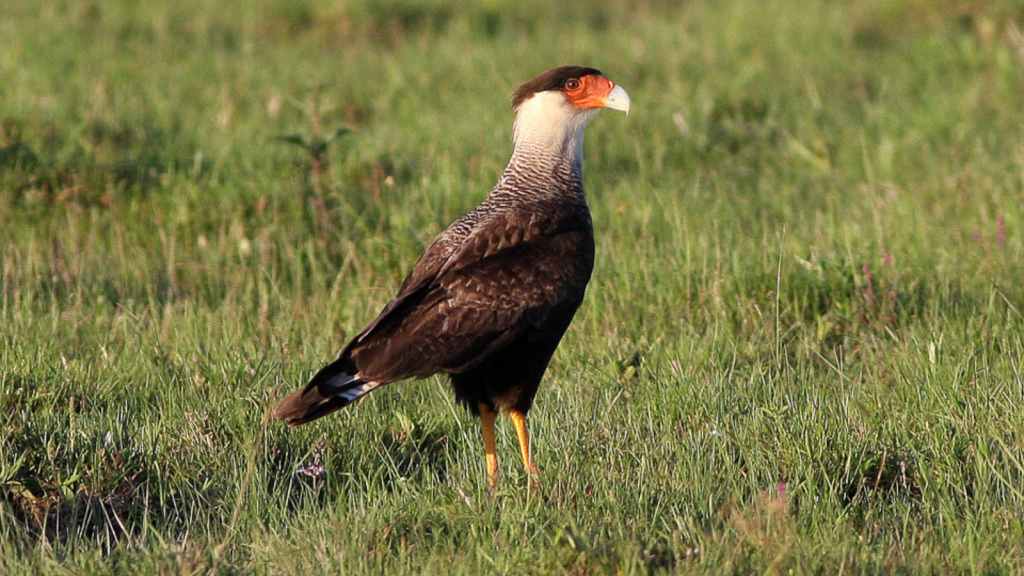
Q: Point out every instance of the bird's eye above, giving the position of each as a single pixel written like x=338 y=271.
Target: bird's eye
x=572 y=84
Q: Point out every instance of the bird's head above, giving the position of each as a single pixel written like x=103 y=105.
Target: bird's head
x=553 y=108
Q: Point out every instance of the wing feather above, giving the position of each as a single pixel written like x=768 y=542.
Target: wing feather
x=464 y=300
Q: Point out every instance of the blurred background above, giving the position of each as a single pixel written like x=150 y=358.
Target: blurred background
x=809 y=263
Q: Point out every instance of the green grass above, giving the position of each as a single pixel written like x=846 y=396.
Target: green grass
x=809 y=276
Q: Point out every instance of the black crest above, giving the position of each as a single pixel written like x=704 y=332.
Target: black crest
x=551 y=80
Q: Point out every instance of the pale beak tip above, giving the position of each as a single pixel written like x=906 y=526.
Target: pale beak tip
x=618 y=99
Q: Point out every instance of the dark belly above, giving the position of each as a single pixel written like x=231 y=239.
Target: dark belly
x=509 y=377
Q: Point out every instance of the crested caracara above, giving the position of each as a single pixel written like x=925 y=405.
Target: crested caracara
x=491 y=297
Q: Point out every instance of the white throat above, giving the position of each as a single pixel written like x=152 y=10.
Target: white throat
x=548 y=125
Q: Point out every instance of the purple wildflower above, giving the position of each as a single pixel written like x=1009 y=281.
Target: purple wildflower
x=781 y=488
x=313 y=470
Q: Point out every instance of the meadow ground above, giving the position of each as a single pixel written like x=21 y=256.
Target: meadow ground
x=801 y=351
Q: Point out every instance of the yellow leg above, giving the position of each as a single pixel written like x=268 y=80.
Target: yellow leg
x=487 y=416
x=519 y=421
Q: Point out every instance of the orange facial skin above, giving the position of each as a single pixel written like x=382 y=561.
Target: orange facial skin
x=590 y=91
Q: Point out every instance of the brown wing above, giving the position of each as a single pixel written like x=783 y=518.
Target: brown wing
x=504 y=280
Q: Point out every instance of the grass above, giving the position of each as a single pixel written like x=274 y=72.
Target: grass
x=801 y=351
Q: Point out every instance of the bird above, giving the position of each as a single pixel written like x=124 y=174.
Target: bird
x=490 y=298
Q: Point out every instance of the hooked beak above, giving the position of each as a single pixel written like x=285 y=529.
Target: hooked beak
x=600 y=92
x=617 y=99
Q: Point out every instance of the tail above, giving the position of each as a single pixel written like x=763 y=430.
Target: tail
x=334 y=387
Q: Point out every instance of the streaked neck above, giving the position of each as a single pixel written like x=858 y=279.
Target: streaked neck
x=548 y=135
